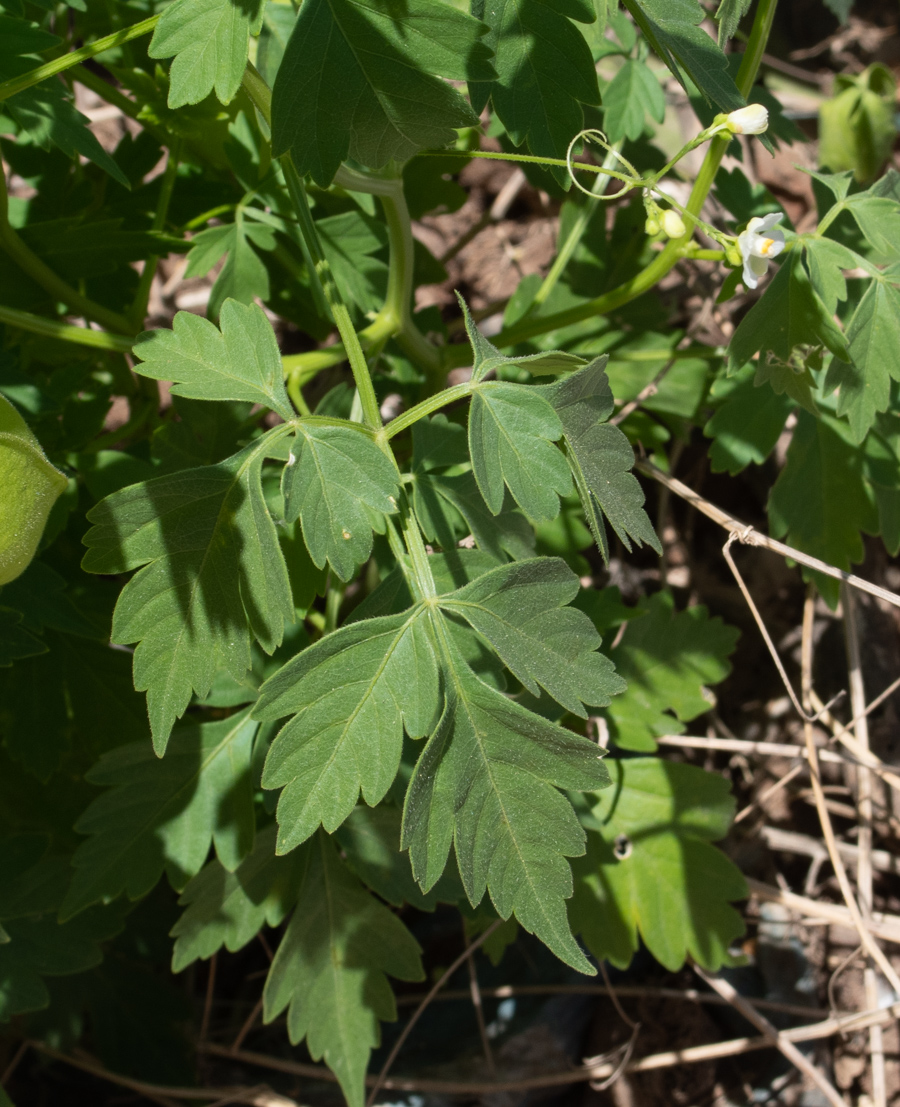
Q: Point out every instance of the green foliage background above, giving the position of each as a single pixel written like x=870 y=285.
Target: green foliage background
x=258 y=690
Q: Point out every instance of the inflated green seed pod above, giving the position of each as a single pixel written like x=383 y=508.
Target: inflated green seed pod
x=29 y=487
x=856 y=126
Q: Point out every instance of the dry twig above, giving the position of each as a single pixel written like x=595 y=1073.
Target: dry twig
x=692 y=1055
x=784 y=1044
x=864 y=930
x=864 y=838
x=398 y=1045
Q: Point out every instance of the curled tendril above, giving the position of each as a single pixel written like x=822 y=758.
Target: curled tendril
x=599 y=138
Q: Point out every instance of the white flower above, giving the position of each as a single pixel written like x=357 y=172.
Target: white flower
x=752 y=120
x=761 y=241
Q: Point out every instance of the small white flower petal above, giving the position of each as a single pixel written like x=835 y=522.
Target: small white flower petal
x=751 y=120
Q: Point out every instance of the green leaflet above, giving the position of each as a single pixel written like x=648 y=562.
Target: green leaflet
x=40 y=946
x=46 y=115
x=874 y=337
x=487 y=358
x=29 y=487
x=163 y=814
x=728 y=15
x=240 y=362
x=650 y=870
x=671 y=28
x=213 y=575
x=339 y=484
x=230 y=908
x=545 y=71
x=600 y=457
x=348 y=241
x=370 y=844
x=357 y=80
x=15 y=641
x=826 y=259
x=243 y=277
x=667 y=658
x=450 y=506
x=789 y=315
x=512 y=429
x=632 y=95
x=748 y=423
x=351 y=695
x=821 y=501
x=209 y=40
x=487 y=782
x=520 y=609
x=21 y=36
x=77 y=697
x=330 y=968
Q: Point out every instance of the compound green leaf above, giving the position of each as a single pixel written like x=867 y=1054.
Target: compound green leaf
x=632 y=95
x=163 y=814
x=545 y=71
x=29 y=487
x=330 y=968
x=487 y=782
x=789 y=318
x=672 y=29
x=874 y=337
x=209 y=40
x=521 y=610
x=747 y=425
x=356 y=79
x=229 y=909
x=239 y=362
x=243 y=277
x=351 y=694
x=512 y=431
x=650 y=872
x=339 y=484
x=601 y=458
x=821 y=501
x=213 y=575
x=667 y=659
x=46 y=115
x=40 y=946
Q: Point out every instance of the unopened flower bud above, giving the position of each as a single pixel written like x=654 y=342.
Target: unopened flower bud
x=673 y=224
x=652 y=227
x=752 y=120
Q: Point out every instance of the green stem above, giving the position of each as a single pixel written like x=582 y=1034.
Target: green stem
x=59 y=65
x=339 y=312
x=67 y=332
x=398 y=302
x=31 y=264
x=645 y=280
x=142 y=297
x=576 y=234
x=532 y=159
x=418 y=555
x=426 y=407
